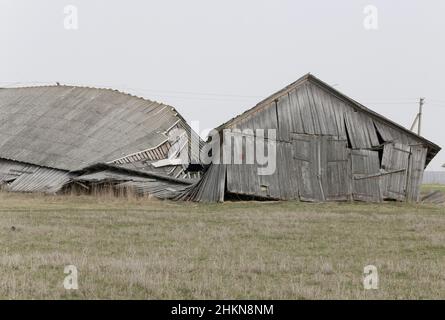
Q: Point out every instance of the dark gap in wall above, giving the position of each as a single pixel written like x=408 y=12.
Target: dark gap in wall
x=379 y=136
x=194 y=167
x=243 y=197
x=226 y=190
x=381 y=142
x=276 y=113
x=380 y=150
x=347 y=135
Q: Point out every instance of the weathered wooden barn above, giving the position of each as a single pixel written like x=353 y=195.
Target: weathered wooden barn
x=328 y=148
x=52 y=137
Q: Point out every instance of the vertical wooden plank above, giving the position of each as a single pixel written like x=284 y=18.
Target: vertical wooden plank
x=415 y=172
x=339 y=109
x=318 y=112
x=314 y=112
x=295 y=109
x=325 y=115
x=366 y=175
x=360 y=129
x=337 y=176
x=306 y=157
x=285 y=123
x=395 y=158
x=306 y=112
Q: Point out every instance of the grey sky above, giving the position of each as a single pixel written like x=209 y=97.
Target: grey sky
x=214 y=59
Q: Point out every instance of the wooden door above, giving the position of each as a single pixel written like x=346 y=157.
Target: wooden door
x=336 y=169
x=306 y=154
x=366 y=176
x=395 y=165
x=416 y=168
x=323 y=169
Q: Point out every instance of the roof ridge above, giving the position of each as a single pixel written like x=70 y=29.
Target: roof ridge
x=268 y=99
x=89 y=87
x=316 y=81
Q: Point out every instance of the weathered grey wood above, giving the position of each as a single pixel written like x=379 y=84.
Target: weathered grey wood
x=306 y=157
x=70 y=128
x=415 y=172
x=395 y=158
x=304 y=106
x=336 y=176
x=324 y=111
x=287 y=172
x=285 y=118
x=365 y=163
x=361 y=130
x=296 y=116
x=210 y=188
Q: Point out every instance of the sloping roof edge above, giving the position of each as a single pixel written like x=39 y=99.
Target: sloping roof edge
x=100 y=88
x=434 y=148
x=72 y=96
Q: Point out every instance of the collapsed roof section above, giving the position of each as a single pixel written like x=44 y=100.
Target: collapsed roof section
x=54 y=135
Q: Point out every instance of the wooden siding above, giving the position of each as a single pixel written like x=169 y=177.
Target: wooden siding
x=337 y=176
x=366 y=176
x=210 y=188
x=395 y=165
x=415 y=172
x=307 y=162
x=329 y=148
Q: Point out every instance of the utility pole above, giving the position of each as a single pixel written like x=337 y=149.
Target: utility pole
x=419 y=127
x=418 y=119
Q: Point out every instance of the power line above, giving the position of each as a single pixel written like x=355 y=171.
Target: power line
x=145 y=90
x=389 y=103
x=218 y=97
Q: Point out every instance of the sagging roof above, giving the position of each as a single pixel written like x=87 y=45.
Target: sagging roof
x=433 y=148
x=69 y=128
x=23 y=177
x=143 y=183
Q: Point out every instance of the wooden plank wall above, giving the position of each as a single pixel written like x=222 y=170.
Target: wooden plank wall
x=337 y=177
x=210 y=188
x=395 y=164
x=415 y=172
x=328 y=150
x=366 y=175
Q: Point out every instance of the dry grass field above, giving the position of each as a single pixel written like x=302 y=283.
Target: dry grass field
x=149 y=249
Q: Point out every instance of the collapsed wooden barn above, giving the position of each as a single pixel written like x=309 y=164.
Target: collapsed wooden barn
x=52 y=137
x=328 y=148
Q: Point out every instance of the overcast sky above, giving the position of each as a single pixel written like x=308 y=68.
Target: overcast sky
x=215 y=59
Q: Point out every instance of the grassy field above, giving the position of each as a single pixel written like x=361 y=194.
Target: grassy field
x=148 y=249
x=433 y=187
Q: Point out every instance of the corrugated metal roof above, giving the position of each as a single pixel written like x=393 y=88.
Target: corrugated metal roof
x=164 y=188
x=108 y=175
x=22 y=177
x=158 y=189
x=70 y=128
